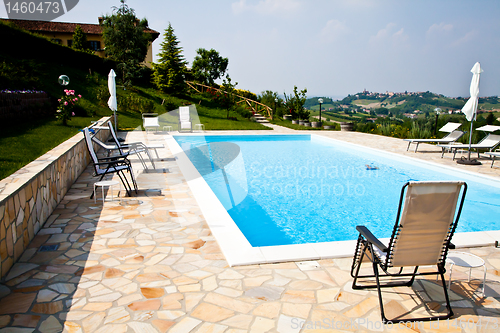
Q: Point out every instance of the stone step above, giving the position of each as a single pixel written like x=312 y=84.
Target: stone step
x=260 y=118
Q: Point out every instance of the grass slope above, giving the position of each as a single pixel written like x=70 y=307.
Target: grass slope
x=36 y=63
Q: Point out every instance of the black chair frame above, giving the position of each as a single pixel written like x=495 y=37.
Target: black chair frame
x=365 y=248
x=114 y=164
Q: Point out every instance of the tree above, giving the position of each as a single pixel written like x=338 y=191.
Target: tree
x=125 y=40
x=490 y=118
x=272 y=100
x=208 y=66
x=79 y=39
x=169 y=72
x=226 y=98
x=295 y=104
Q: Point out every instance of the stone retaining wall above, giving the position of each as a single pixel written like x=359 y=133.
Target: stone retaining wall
x=29 y=196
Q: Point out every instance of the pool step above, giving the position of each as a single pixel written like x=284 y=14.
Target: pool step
x=260 y=118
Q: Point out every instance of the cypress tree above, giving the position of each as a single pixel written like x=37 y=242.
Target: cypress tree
x=169 y=72
x=79 y=39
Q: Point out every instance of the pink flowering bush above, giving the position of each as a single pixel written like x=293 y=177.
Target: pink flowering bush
x=66 y=105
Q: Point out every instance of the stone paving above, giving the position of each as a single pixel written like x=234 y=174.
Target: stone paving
x=149 y=263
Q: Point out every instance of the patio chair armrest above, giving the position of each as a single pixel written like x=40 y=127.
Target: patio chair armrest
x=371 y=238
x=133 y=145
x=452 y=246
x=112 y=159
x=113 y=148
x=119 y=160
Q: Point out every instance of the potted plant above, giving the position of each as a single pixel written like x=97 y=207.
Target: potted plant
x=346 y=126
x=295 y=104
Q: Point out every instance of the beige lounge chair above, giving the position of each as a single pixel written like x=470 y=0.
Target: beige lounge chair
x=426 y=220
x=493 y=154
x=449 y=138
x=489 y=142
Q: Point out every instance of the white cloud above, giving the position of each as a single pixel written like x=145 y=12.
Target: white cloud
x=388 y=34
x=333 y=30
x=400 y=36
x=266 y=7
x=465 y=39
x=440 y=28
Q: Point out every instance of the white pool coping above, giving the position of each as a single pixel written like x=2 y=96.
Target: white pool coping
x=237 y=249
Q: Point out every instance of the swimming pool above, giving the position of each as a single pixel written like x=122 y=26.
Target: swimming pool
x=296 y=189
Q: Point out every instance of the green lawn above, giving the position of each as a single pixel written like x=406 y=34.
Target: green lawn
x=23 y=142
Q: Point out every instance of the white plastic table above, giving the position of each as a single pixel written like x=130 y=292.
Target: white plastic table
x=200 y=127
x=168 y=128
x=103 y=184
x=467 y=260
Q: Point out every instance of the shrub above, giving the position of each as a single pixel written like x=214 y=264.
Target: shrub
x=418 y=132
x=66 y=105
x=244 y=112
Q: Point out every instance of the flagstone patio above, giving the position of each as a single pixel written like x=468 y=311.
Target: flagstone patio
x=149 y=263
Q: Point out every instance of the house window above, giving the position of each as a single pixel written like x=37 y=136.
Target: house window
x=56 y=40
x=70 y=42
x=95 y=45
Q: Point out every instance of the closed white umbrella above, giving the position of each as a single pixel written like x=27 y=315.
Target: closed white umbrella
x=112 y=103
x=470 y=108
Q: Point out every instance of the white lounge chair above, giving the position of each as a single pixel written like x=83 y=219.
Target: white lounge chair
x=489 y=142
x=493 y=154
x=185 y=122
x=427 y=217
x=150 y=121
x=451 y=137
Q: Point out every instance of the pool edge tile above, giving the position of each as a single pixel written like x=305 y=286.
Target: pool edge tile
x=295 y=252
x=474 y=239
x=238 y=251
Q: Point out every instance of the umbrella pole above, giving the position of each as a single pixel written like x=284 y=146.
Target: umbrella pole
x=470 y=139
x=468 y=161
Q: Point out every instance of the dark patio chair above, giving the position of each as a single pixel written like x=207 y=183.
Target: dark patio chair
x=427 y=218
x=110 y=165
x=120 y=151
x=134 y=147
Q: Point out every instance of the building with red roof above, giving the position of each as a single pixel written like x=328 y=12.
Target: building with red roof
x=62 y=33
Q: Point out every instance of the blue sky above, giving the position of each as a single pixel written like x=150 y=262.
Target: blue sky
x=332 y=47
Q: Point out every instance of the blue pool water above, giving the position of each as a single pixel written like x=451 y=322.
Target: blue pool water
x=298 y=189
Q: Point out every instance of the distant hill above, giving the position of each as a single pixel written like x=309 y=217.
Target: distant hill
x=400 y=103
